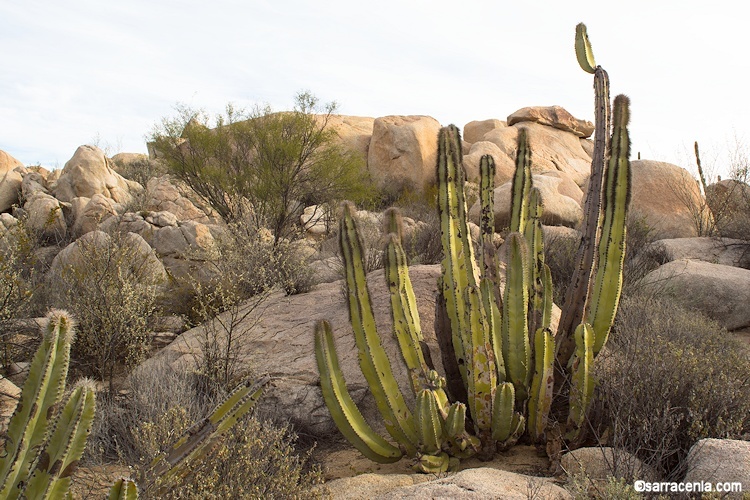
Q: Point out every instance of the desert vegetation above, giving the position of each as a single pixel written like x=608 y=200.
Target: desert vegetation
x=171 y=269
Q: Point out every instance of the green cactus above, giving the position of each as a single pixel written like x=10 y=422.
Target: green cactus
x=43 y=446
x=199 y=439
x=485 y=334
x=123 y=489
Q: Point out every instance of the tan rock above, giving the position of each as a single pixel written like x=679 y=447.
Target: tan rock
x=474 y=131
x=721 y=292
x=89 y=172
x=729 y=201
x=667 y=197
x=560 y=196
x=33 y=182
x=10 y=181
x=504 y=165
x=125 y=159
x=353 y=132
x=9 y=396
x=164 y=195
x=720 y=461
x=725 y=251
x=553 y=116
x=97 y=209
x=552 y=149
x=482 y=483
x=370 y=485
x=45 y=215
x=600 y=464
x=403 y=151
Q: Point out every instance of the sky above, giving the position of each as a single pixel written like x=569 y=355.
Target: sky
x=103 y=72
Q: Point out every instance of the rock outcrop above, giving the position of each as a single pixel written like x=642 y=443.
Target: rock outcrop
x=721 y=292
x=667 y=197
x=720 y=461
x=555 y=117
x=403 y=151
x=89 y=172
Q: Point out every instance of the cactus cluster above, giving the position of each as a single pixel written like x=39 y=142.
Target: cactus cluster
x=499 y=351
x=43 y=446
x=44 y=442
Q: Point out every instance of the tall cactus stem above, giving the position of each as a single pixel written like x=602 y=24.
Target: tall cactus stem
x=540 y=400
x=399 y=421
x=515 y=326
x=521 y=187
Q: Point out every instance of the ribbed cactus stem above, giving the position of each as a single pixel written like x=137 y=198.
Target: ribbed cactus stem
x=515 y=326
x=521 y=187
x=344 y=411
x=393 y=223
x=502 y=412
x=398 y=419
x=58 y=461
x=30 y=424
x=540 y=400
x=584 y=54
x=406 y=324
x=123 y=489
x=459 y=268
x=582 y=388
x=607 y=284
x=429 y=423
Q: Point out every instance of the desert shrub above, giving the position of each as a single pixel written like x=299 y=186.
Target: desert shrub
x=422 y=245
x=262 y=166
x=583 y=488
x=254 y=460
x=18 y=285
x=668 y=378
x=141 y=171
x=112 y=292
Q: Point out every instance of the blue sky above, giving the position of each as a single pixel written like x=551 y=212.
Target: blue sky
x=86 y=71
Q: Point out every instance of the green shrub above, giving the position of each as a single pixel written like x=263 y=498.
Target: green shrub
x=668 y=378
x=254 y=460
x=112 y=292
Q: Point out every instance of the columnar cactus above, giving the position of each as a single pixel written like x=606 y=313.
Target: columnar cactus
x=43 y=446
x=497 y=346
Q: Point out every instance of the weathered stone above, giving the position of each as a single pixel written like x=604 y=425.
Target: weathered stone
x=481 y=483
x=553 y=116
x=9 y=396
x=560 y=196
x=33 y=183
x=552 y=149
x=720 y=461
x=352 y=132
x=504 y=165
x=371 y=485
x=89 y=172
x=162 y=219
x=721 y=292
x=729 y=201
x=600 y=464
x=317 y=220
x=45 y=215
x=164 y=195
x=667 y=197
x=474 y=131
x=724 y=251
x=98 y=209
x=403 y=151
x=10 y=181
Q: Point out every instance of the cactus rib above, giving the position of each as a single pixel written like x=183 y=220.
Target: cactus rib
x=373 y=360
x=344 y=411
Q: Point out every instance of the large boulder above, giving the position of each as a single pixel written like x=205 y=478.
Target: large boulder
x=719 y=461
x=474 y=131
x=667 y=198
x=725 y=251
x=552 y=150
x=553 y=116
x=721 y=292
x=352 y=132
x=279 y=341
x=98 y=243
x=10 y=181
x=403 y=151
x=45 y=216
x=89 y=172
x=96 y=210
x=162 y=194
x=481 y=483
x=729 y=201
x=560 y=195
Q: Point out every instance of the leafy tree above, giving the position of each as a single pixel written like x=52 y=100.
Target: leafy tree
x=262 y=166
